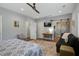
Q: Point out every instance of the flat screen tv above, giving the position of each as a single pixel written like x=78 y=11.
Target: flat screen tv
x=47 y=24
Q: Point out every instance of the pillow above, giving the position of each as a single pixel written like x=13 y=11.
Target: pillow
x=21 y=36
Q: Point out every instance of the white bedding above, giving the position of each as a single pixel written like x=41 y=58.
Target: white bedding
x=17 y=47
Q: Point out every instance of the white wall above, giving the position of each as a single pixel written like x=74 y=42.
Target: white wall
x=30 y=29
x=0 y=27
x=9 y=31
x=78 y=24
x=27 y=29
x=74 y=28
x=33 y=30
x=42 y=29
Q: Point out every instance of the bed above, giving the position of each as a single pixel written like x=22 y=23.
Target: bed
x=17 y=47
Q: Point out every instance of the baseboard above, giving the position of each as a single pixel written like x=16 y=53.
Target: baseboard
x=44 y=39
x=28 y=37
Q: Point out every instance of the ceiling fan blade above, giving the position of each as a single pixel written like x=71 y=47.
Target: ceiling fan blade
x=29 y=5
x=36 y=10
x=33 y=7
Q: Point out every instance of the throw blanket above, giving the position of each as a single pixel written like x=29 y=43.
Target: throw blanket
x=65 y=36
x=17 y=47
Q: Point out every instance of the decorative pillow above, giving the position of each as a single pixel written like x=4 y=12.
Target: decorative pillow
x=21 y=36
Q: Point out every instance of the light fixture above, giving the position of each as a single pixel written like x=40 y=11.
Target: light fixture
x=51 y=29
x=64 y=6
x=60 y=11
x=22 y=9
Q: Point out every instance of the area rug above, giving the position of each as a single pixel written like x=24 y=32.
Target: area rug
x=49 y=47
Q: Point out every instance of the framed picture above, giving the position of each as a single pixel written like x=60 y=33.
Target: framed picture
x=16 y=23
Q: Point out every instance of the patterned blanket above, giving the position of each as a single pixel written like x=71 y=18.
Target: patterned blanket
x=17 y=47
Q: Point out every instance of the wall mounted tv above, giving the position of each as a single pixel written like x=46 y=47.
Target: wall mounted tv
x=47 y=24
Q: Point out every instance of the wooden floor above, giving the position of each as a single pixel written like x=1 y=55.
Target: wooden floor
x=49 y=47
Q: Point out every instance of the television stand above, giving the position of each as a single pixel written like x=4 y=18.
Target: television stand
x=48 y=36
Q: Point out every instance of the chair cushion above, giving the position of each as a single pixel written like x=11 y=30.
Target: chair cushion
x=66 y=51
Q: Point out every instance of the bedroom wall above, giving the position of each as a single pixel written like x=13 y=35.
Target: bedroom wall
x=30 y=28
x=40 y=23
x=42 y=29
x=33 y=29
x=0 y=27
x=78 y=24
x=8 y=29
x=75 y=28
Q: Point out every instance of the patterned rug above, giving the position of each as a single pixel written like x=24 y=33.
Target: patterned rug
x=49 y=47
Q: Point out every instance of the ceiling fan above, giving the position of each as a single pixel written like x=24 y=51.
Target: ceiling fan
x=33 y=7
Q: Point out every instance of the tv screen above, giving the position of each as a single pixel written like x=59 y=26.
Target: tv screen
x=47 y=24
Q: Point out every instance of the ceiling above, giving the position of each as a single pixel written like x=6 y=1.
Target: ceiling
x=45 y=9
